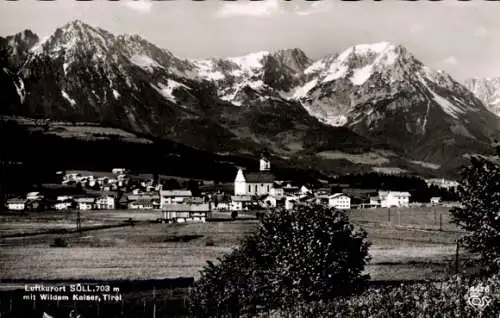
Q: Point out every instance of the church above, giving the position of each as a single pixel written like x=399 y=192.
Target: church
x=255 y=183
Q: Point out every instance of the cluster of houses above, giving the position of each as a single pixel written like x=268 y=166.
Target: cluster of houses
x=252 y=190
x=264 y=190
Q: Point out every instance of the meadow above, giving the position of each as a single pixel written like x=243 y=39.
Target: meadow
x=409 y=246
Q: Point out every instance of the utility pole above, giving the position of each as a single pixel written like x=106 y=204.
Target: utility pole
x=78 y=221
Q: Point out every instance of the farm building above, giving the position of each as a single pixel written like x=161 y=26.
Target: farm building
x=290 y=190
x=305 y=190
x=339 y=201
x=174 y=196
x=34 y=196
x=63 y=202
x=85 y=203
x=394 y=199
x=143 y=204
x=255 y=183
x=277 y=191
x=16 y=204
x=435 y=200
x=240 y=202
x=181 y=213
x=106 y=202
x=119 y=171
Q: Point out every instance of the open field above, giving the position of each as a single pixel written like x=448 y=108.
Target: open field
x=421 y=217
x=155 y=251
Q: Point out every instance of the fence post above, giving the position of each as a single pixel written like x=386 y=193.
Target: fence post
x=457 y=256
x=440 y=221
x=389 y=214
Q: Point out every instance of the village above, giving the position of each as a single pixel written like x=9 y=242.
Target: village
x=259 y=191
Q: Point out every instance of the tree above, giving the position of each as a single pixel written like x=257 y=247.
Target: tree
x=479 y=214
x=194 y=187
x=309 y=254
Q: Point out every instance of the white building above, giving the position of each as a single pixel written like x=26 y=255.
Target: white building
x=254 y=183
x=435 y=200
x=174 y=197
x=16 y=204
x=339 y=201
x=119 y=171
x=181 y=213
x=64 y=202
x=34 y=196
x=85 y=203
x=277 y=191
x=240 y=202
x=398 y=199
x=264 y=164
x=305 y=190
x=106 y=202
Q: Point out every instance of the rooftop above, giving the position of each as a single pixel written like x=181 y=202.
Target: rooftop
x=260 y=177
x=176 y=193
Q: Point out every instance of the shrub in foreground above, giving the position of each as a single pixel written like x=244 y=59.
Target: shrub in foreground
x=443 y=299
x=309 y=254
x=479 y=214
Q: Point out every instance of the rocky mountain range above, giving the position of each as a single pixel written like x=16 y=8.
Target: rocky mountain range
x=370 y=99
x=487 y=90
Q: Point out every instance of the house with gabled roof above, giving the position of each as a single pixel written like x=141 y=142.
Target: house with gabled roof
x=174 y=196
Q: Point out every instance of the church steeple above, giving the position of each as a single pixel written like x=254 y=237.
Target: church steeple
x=265 y=164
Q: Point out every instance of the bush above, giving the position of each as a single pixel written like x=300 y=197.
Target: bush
x=310 y=254
x=234 y=214
x=432 y=299
x=59 y=242
x=480 y=198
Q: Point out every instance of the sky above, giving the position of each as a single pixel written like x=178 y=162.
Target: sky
x=461 y=38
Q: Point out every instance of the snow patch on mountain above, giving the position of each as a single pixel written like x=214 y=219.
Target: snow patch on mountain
x=447 y=107
x=302 y=91
x=206 y=70
x=168 y=89
x=488 y=91
x=248 y=63
x=145 y=62
x=69 y=99
x=20 y=89
x=424 y=164
x=329 y=69
x=361 y=75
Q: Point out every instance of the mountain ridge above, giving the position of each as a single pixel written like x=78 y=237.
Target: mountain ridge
x=274 y=100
